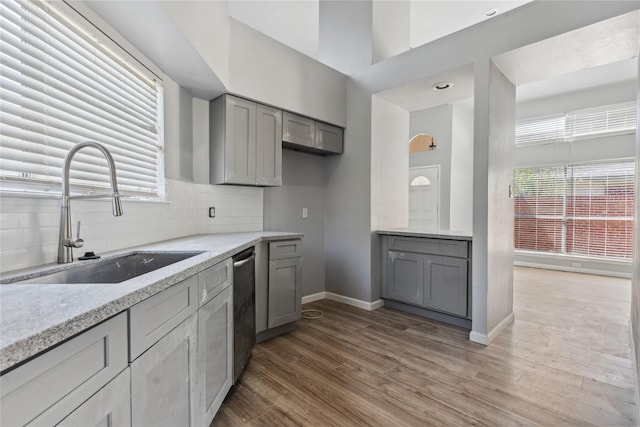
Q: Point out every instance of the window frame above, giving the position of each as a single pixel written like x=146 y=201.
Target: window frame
x=565 y=217
x=94 y=27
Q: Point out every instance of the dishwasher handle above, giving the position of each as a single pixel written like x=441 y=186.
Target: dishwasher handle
x=243 y=258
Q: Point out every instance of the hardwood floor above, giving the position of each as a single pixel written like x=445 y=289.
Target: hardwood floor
x=565 y=361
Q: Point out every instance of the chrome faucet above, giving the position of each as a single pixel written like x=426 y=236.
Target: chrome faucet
x=66 y=243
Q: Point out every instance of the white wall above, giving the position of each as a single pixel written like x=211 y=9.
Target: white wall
x=345 y=35
x=635 y=286
x=390 y=28
x=302 y=187
x=492 y=249
x=437 y=122
x=461 y=197
x=29 y=226
x=348 y=204
x=389 y=165
x=270 y=72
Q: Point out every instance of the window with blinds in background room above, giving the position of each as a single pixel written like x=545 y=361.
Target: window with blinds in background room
x=576 y=209
x=601 y=121
x=64 y=82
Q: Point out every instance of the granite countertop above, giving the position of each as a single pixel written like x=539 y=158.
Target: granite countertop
x=431 y=233
x=34 y=317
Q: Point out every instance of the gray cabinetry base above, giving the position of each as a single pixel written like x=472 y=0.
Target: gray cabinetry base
x=429 y=314
x=274 y=332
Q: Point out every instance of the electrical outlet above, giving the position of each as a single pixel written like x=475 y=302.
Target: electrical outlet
x=305 y=213
x=212 y=212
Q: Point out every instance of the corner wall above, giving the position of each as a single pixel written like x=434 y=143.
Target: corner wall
x=348 y=203
x=494 y=129
x=302 y=187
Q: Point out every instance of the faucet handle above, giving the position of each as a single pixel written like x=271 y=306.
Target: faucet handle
x=77 y=243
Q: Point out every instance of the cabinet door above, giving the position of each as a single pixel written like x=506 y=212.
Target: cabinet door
x=285 y=291
x=328 y=138
x=268 y=146
x=111 y=406
x=298 y=130
x=445 y=284
x=405 y=277
x=49 y=387
x=162 y=380
x=215 y=353
x=240 y=141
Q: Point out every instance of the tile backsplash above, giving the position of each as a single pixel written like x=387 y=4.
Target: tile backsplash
x=29 y=226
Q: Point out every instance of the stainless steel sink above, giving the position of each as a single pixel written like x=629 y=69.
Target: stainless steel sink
x=114 y=270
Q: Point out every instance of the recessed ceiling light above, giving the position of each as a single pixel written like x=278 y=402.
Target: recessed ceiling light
x=490 y=12
x=442 y=85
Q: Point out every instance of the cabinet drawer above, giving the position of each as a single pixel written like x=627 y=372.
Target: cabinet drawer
x=328 y=138
x=214 y=279
x=154 y=317
x=285 y=249
x=455 y=248
x=112 y=403
x=298 y=130
x=52 y=385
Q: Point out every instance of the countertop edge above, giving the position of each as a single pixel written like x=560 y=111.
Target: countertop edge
x=25 y=348
x=439 y=234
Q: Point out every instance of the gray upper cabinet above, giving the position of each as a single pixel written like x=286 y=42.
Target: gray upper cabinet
x=285 y=283
x=298 y=130
x=305 y=134
x=268 y=146
x=329 y=138
x=245 y=144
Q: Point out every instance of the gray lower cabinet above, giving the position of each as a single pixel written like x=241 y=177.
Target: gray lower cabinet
x=48 y=388
x=111 y=406
x=428 y=273
x=174 y=369
x=245 y=142
x=285 y=283
x=278 y=287
x=163 y=379
x=215 y=353
x=405 y=280
x=446 y=284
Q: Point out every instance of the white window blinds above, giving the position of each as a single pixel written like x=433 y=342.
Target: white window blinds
x=576 y=209
x=593 y=122
x=64 y=82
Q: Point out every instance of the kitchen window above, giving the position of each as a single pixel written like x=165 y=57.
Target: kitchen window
x=63 y=81
x=584 y=210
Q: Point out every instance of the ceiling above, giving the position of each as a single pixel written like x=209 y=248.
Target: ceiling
x=596 y=55
x=601 y=54
x=296 y=23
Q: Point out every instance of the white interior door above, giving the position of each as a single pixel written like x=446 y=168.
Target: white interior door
x=424 y=197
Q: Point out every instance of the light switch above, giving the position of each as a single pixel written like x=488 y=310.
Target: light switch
x=305 y=213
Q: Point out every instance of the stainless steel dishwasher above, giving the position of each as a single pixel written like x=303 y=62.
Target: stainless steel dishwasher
x=244 y=309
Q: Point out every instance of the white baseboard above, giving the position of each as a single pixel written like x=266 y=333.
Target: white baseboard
x=597 y=272
x=636 y=374
x=486 y=339
x=343 y=299
x=313 y=297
